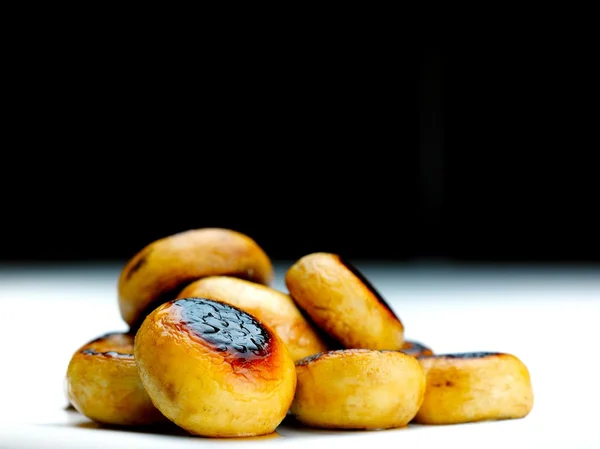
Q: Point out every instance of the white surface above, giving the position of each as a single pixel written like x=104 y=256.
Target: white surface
x=546 y=318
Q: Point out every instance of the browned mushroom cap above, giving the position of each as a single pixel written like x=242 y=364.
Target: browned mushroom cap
x=120 y=342
x=214 y=369
x=358 y=389
x=342 y=302
x=415 y=349
x=163 y=268
x=270 y=306
x=476 y=386
x=104 y=385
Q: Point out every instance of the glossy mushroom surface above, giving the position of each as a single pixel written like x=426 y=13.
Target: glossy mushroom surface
x=270 y=306
x=213 y=369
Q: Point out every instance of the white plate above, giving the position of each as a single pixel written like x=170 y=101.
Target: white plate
x=546 y=318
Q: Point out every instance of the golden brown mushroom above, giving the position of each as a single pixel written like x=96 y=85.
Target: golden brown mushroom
x=163 y=268
x=103 y=383
x=358 y=389
x=342 y=302
x=213 y=369
x=470 y=387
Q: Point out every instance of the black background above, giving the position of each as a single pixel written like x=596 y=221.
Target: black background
x=436 y=151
